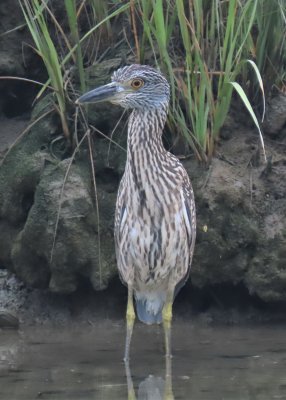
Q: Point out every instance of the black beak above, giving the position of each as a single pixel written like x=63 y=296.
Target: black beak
x=102 y=93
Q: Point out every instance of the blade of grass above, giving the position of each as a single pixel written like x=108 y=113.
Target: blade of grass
x=70 y=53
x=260 y=81
x=34 y=16
x=70 y=6
x=249 y=108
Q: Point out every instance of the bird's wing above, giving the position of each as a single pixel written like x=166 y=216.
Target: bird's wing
x=120 y=212
x=189 y=214
x=119 y=223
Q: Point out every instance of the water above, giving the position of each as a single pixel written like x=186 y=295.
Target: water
x=218 y=362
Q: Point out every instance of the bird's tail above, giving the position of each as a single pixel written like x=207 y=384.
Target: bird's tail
x=149 y=307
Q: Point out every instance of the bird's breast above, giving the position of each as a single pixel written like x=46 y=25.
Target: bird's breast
x=152 y=237
x=155 y=236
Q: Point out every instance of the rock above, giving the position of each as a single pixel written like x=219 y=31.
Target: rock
x=8 y=320
x=266 y=276
x=76 y=249
x=16 y=60
x=11 y=52
x=241 y=213
x=275 y=114
x=33 y=203
x=12 y=298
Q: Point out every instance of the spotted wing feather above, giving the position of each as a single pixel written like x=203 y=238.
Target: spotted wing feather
x=189 y=213
x=119 y=223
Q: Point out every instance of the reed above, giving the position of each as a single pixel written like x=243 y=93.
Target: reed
x=71 y=10
x=269 y=42
x=34 y=13
x=202 y=46
x=58 y=60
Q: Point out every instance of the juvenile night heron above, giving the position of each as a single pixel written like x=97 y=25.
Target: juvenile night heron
x=155 y=222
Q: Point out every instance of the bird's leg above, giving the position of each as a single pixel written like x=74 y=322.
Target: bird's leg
x=168 y=394
x=130 y=317
x=130 y=387
x=167 y=320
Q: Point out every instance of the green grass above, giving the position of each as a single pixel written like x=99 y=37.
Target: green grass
x=34 y=13
x=201 y=45
x=58 y=60
x=200 y=58
x=70 y=6
x=269 y=42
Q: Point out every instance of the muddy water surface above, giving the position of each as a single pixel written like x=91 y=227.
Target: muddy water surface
x=218 y=362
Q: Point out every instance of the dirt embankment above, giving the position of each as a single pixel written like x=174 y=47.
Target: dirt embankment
x=241 y=209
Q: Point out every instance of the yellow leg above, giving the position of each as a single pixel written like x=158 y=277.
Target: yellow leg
x=167 y=322
x=168 y=393
x=130 y=387
x=130 y=317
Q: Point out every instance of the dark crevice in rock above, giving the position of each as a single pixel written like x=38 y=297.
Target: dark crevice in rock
x=225 y=295
x=109 y=303
x=225 y=302
x=18 y=98
x=108 y=178
x=27 y=202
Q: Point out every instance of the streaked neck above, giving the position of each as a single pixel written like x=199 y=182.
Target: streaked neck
x=145 y=129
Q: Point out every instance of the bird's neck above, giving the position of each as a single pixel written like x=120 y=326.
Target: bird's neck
x=145 y=129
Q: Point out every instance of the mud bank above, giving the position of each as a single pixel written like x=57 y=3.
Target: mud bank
x=56 y=228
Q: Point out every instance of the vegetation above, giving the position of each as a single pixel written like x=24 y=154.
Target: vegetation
x=58 y=59
x=269 y=42
x=201 y=45
x=34 y=15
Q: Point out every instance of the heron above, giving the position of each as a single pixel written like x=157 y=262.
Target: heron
x=155 y=218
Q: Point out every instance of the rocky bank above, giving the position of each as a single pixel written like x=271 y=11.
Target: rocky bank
x=56 y=226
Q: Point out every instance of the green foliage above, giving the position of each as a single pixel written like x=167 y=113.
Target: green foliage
x=33 y=11
x=201 y=45
x=70 y=6
x=58 y=59
x=269 y=42
x=209 y=40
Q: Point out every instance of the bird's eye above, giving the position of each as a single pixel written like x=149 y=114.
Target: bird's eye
x=137 y=83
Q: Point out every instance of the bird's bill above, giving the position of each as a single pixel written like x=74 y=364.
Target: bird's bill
x=103 y=93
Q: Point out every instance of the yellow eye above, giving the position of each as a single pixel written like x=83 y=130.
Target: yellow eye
x=137 y=83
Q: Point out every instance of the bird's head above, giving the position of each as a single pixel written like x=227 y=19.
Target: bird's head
x=134 y=86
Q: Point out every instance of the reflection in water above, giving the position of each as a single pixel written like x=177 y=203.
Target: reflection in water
x=151 y=388
x=85 y=363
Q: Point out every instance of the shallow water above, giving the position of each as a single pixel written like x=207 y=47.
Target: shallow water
x=86 y=363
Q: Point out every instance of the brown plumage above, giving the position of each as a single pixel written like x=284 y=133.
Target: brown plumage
x=155 y=223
